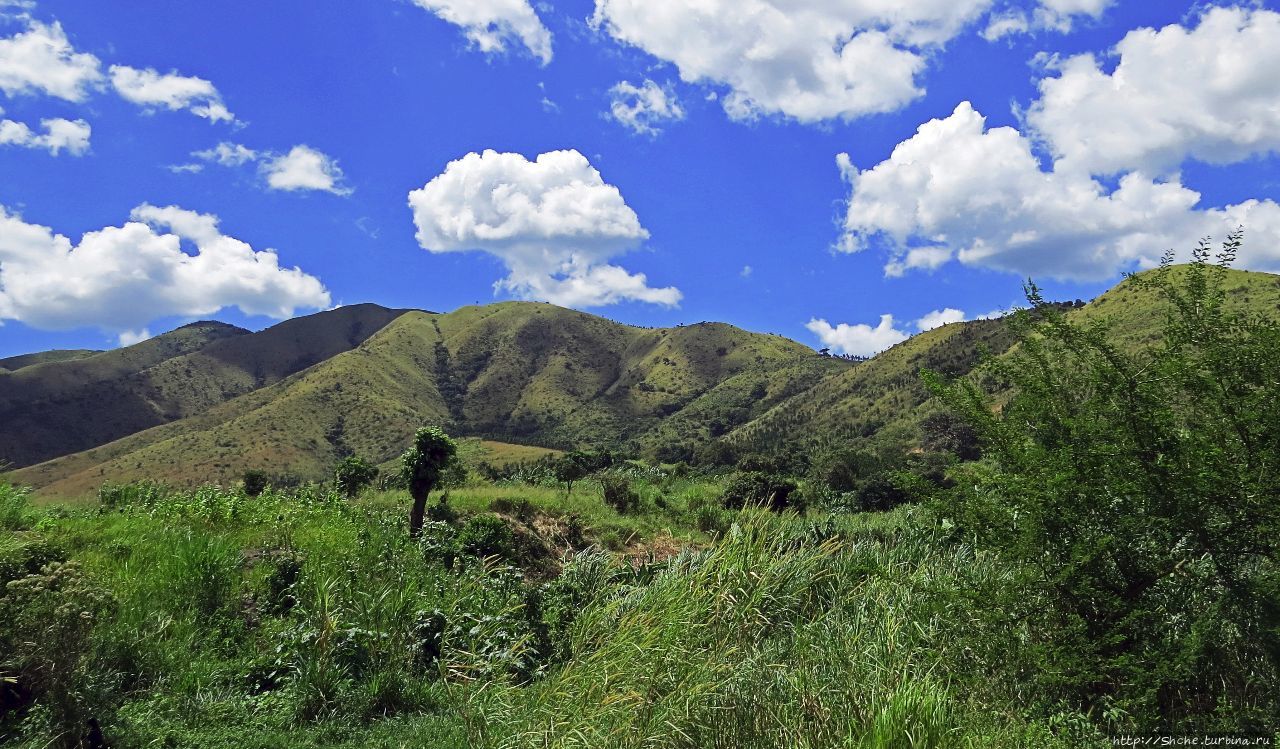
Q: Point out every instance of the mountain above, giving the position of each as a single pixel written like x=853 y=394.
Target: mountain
x=66 y=404
x=518 y=372
x=14 y=363
x=296 y=398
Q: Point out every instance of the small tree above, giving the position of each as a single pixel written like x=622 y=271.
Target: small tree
x=570 y=468
x=353 y=474
x=422 y=467
x=255 y=482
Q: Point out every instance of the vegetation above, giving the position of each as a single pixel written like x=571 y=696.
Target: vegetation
x=1136 y=497
x=1071 y=539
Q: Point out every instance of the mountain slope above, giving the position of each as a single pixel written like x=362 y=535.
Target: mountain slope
x=60 y=407
x=14 y=363
x=518 y=371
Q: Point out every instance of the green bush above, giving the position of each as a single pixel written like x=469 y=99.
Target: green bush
x=1133 y=495
x=756 y=488
x=15 y=507
x=47 y=641
x=255 y=482
x=353 y=474
x=617 y=493
x=487 y=536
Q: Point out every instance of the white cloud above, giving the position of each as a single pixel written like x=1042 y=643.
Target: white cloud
x=149 y=88
x=130 y=337
x=860 y=339
x=958 y=190
x=553 y=222
x=304 y=168
x=42 y=60
x=492 y=24
x=59 y=135
x=644 y=108
x=1207 y=93
x=1049 y=15
x=746 y=271
x=810 y=60
x=121 y=278
x=227 y=154
x=939 y=317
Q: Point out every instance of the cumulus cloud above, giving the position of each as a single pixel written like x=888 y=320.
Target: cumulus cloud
x=644 y=108
x=940 y=317
x=121 y=278
x=59 y=135
x=959 y=191
x=41 y=60
x=492 y=24
x=812 y=60
x=1207 y=93
x=553 y=222
x=304 y=168
x=859 y=339
x=149 y=88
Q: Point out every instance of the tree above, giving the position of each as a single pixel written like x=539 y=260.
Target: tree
x=353 y=474
x=570 y=468
x=422 y=467
x=255 y=482
x=1136 y=495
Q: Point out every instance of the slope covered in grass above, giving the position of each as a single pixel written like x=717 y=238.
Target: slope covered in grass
x=517 y=372
x=61 y=407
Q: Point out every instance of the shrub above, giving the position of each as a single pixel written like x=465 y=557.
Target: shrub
x=758 y=488
x=487 y=536
x=255 y=482
x=353 y=474
x=47 y=640
x=617 y=493
x=14 y=507
x=1134 y=495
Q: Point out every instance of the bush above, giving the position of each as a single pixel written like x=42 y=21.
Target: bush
x=758 y=488
x=617 y=493
x=353 y=474
x=487 y=536
x=255 y=482
x=14 y=507
x=47 y=641
x=1134 y=496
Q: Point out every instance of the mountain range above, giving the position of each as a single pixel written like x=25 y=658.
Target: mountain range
x=209 y=400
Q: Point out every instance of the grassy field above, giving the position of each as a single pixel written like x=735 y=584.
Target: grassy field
x=296 y=619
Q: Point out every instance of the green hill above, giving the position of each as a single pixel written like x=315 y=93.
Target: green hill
x=297 y=397
x=57 y=407
x=514 y=372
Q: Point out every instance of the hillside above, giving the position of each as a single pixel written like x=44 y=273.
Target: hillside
x=298 y=397
x=57 y=407
x=884 y=398
x=14 y=363
x=515 y=372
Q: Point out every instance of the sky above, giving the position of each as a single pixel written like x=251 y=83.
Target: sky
x=843 y=172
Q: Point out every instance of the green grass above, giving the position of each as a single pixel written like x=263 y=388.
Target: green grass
x=300 y=620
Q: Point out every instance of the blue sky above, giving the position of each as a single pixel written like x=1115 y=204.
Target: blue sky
x=714 y=192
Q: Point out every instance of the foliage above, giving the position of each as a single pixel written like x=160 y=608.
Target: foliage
x=1135 y=495
x=487 y=536
x=748 y=488
x=422 y=467
x=47 y=642
x=14 y=507
x=353 y=474
x=255 y=482
x=615 y=489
